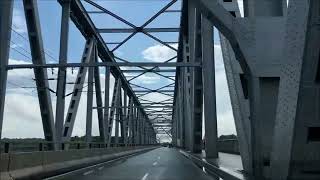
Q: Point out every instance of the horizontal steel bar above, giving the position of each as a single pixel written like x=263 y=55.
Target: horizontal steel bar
x=132 y=30
x=172 y=11
x=151 y=71
x=113 y=43
x=117 y=64
x=171 y=76
x=135 y=107
x=160 y=91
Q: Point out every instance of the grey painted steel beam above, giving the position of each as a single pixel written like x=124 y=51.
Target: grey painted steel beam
x=229 y=26
x=77 y=92
x=130 y=121
x=97 y=83
x=127 y=30
x=194 y=36
x=62 y=74
x=209 y=89
x=106 y=99
x=295 y=152
x=125 y=121
x=152 y=91
x=151 y=71
x=6 y=11
x=263 y=8
x=112 y=110
x=238 y=99
x=95 y=64
x=118 y=113
x=88 y=136
x=85 y=25
x=38 y=58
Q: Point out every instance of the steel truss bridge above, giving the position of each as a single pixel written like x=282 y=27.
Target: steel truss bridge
x=272 y=61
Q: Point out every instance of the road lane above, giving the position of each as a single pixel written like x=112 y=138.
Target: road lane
x=159 y=164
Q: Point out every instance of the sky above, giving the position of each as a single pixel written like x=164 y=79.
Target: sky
x=22 y=114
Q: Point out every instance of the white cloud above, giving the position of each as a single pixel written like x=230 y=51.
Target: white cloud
x=147 y=79
x=159 y=53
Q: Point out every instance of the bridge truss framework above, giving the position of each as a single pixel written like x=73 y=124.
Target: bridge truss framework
x=271 y=58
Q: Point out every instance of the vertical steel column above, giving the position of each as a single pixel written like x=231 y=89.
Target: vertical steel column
x=130 y=121
x=186 y=95
x=6 y=9
x=77 y=92
x=41 y=76
x=143 y=130
x=138 y=131
x=90 y=99
x=106 y=99
x=112 y=111
x=63 y=56
x=263 y=8
x=181 y=110
x=196 y=77
x=124 y=119
x=133 y=131
x=121 y=117
x=118 y=113
x=209 y=89
x=97 y=83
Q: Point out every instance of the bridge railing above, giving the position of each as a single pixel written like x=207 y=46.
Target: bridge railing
x=13 y=146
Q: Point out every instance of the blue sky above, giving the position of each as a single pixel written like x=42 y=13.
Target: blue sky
x=139 y=48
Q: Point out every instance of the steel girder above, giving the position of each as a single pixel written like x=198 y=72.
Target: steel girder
x=87 y=28
x=62 y=74
x=6 y=9
x=77 y=92
x=41 y=77
x=209 y=89
x=97 y=83
x=88 y=135
x=127 y=30
x=103 y=64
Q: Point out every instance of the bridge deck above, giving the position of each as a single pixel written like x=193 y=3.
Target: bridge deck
x=161 y=163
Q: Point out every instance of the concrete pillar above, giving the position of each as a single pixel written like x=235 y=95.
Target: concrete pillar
x=6 y=9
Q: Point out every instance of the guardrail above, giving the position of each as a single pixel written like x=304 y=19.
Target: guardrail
x=18 y=146
x=43 y=164
x=214 y=169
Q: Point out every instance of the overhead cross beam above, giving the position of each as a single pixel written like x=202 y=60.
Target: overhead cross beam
x=102 y=64
x=138 y=29
x=141 y=28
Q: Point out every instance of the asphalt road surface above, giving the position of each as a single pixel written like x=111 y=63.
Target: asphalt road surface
x=159 y=164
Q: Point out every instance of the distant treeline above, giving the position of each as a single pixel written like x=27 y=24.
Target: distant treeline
x=31 y=140
x=94 y=139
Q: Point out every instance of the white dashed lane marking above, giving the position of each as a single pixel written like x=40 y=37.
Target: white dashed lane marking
x=88 y=172
x=145 y=176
